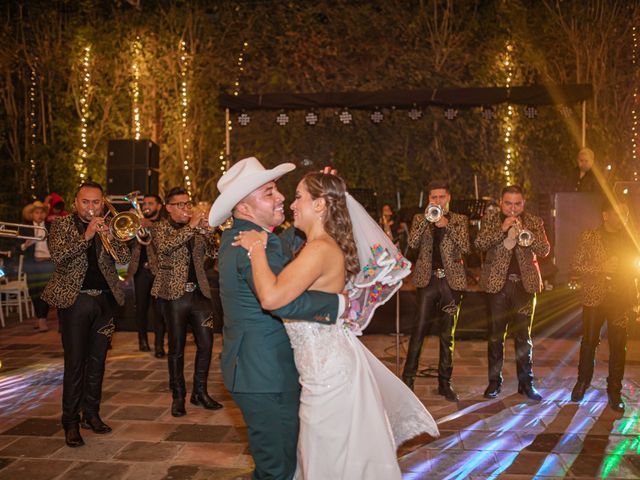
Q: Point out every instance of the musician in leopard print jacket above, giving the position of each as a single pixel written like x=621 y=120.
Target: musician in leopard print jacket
x=511 y=276
x=85 y=289
x=182 y=288
x=606 y=260
x=440 y=278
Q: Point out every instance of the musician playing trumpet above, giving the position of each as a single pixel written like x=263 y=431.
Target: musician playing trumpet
x=513 y=240
x=439 y=275
x=85 y=289
x=183 y=289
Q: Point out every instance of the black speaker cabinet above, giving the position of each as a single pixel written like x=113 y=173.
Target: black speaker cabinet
x=132 y=165
x=574 y=213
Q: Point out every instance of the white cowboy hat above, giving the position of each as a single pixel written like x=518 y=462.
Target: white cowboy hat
x=240 y=180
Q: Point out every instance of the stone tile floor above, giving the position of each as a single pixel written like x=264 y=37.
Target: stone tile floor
x=507 y=438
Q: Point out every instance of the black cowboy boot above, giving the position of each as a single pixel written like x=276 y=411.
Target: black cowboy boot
x=95 y=423
x=143 y=342
x=493 y=389
x=202 y=399
x=446 y=390
x=72 y=436
x=528 y=390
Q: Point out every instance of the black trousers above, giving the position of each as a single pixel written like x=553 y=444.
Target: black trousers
x=511 y=307
x=193 y=309
x=592 y=320
x=436 y=303
x=143 y=281
x=86 y=327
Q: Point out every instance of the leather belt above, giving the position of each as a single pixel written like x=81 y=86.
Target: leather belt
x=92 y=292
x=514 y=277
x=439 y=273
x=190 y=287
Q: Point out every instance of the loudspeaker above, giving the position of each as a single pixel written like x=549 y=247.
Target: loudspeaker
x=574 y=213
x=132 y=165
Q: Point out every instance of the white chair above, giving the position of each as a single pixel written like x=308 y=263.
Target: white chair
x=15 y=293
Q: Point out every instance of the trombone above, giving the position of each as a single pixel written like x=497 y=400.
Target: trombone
x=124 y=226
x=12 y=230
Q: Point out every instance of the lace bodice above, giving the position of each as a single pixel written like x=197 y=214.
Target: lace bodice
x=323 y=353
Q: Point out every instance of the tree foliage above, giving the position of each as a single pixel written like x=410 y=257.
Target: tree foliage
x=296 y=46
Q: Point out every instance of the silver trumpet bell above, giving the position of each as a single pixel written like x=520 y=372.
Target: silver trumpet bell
x=524 y=237
x=433 y=213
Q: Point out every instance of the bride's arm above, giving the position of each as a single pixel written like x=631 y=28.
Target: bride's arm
x=277 y=291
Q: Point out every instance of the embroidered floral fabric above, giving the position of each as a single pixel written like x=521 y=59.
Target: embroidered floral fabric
x=382 y=268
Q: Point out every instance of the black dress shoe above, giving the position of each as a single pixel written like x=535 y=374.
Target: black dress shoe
x=159 y=353
x=408 y=381
x=493 y=389
x=577 y=394
x=528 y=390
x=446 y=390
x=615 y=402
x=203 y=399
x=95 y=423
x=177 y=407
x=72 y=437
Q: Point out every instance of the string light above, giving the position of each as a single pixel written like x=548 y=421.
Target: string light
x=85 y=90
x=224 y=161
x=634 y=109
x=33 y=125
x=184 y=111
x=136 y=53
x=509 y=119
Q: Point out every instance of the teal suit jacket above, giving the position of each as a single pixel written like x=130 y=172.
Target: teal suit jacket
x=257 y=355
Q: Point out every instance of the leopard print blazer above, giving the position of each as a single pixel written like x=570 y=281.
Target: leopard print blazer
x=498 y=258
x=589 y=261
x=173 y=259
x=69 y=254
x=455 y=244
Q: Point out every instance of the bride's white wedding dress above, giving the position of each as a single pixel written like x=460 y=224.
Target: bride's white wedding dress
x=354 y=412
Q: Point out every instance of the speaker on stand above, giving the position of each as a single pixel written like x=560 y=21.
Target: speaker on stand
x=132 y=165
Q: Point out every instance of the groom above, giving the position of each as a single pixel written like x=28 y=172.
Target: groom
x=257 y=360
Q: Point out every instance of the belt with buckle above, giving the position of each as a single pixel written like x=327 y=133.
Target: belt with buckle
x=439 y=273
x=190 y=287
x=513 y=277
x=92 y=292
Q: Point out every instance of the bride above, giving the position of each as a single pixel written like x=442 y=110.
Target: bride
x=353 y=411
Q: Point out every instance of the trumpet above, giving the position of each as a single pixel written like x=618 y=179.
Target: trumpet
x=524 y=236
x=203 y=227
x=12 y=230
x=518 y=235
x=433 y=213
x=143 y=235
x=124 y=226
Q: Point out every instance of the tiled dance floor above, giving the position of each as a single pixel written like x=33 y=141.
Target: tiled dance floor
x=504 y=438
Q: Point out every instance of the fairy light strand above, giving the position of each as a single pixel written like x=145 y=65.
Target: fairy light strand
x=85 y=87
x=634 y=108
x=224 y=162
x=136 y=50
x=184 y=111
x=33 y=127
x=507 y=125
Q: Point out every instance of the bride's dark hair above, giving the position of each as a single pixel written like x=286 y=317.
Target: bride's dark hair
x=337 y=222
